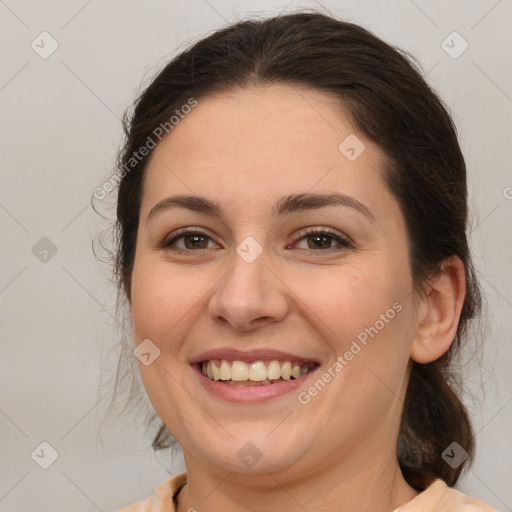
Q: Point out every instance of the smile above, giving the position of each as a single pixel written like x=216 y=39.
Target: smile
x=257 y=373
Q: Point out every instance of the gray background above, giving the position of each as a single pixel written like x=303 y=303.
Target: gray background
x=60 y=129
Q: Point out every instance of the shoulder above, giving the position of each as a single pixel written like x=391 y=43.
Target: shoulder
x=438 y=497
x=162 y=499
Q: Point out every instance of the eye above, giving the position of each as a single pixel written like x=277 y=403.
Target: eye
x=322 y=240
x=188 y=240
x=316 y=239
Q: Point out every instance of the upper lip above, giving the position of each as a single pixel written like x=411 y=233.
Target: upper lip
x=250 y=356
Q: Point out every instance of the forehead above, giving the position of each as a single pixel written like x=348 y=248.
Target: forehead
x=264 y=142
x=286 y=122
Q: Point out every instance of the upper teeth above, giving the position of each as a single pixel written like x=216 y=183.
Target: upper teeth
x=257 y=371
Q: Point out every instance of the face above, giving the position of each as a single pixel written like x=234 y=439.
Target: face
x=263 y=242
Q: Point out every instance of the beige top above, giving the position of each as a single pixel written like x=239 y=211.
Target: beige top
x=438 y=497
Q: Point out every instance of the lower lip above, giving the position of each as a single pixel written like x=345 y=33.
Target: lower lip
x=244 y=394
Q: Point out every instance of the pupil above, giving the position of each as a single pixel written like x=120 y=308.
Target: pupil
x=195 y=241
x=321 y=242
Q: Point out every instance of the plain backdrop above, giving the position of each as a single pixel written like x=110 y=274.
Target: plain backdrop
x=60 y=130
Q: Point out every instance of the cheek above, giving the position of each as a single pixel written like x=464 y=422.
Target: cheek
x=364 y=317
x=162 y=299
x=347 y=300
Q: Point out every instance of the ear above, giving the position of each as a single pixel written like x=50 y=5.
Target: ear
x=439 y=312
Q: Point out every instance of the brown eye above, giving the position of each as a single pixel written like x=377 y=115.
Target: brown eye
x=319 y=241
x=195 y=242
x=322 y=240
x=187 y=241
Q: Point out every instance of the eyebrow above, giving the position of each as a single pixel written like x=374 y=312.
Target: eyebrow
x=285 y=205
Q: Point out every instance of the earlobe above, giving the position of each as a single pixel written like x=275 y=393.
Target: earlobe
x=440 y=312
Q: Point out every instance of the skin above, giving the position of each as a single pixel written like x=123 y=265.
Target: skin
x=246 y=150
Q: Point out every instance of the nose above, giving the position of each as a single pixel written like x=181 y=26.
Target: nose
x=249 y=296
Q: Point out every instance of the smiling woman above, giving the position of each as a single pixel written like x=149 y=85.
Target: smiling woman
x=300 y=233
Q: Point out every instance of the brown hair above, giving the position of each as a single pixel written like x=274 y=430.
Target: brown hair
x=390 y=103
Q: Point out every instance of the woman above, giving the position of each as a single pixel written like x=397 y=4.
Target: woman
x=292 y=243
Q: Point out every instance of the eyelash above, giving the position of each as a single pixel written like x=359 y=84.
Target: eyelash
x=344 y=243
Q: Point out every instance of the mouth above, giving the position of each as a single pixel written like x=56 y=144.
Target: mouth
x=256 y=373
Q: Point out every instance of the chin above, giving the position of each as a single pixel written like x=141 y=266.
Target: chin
x=252 y=453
